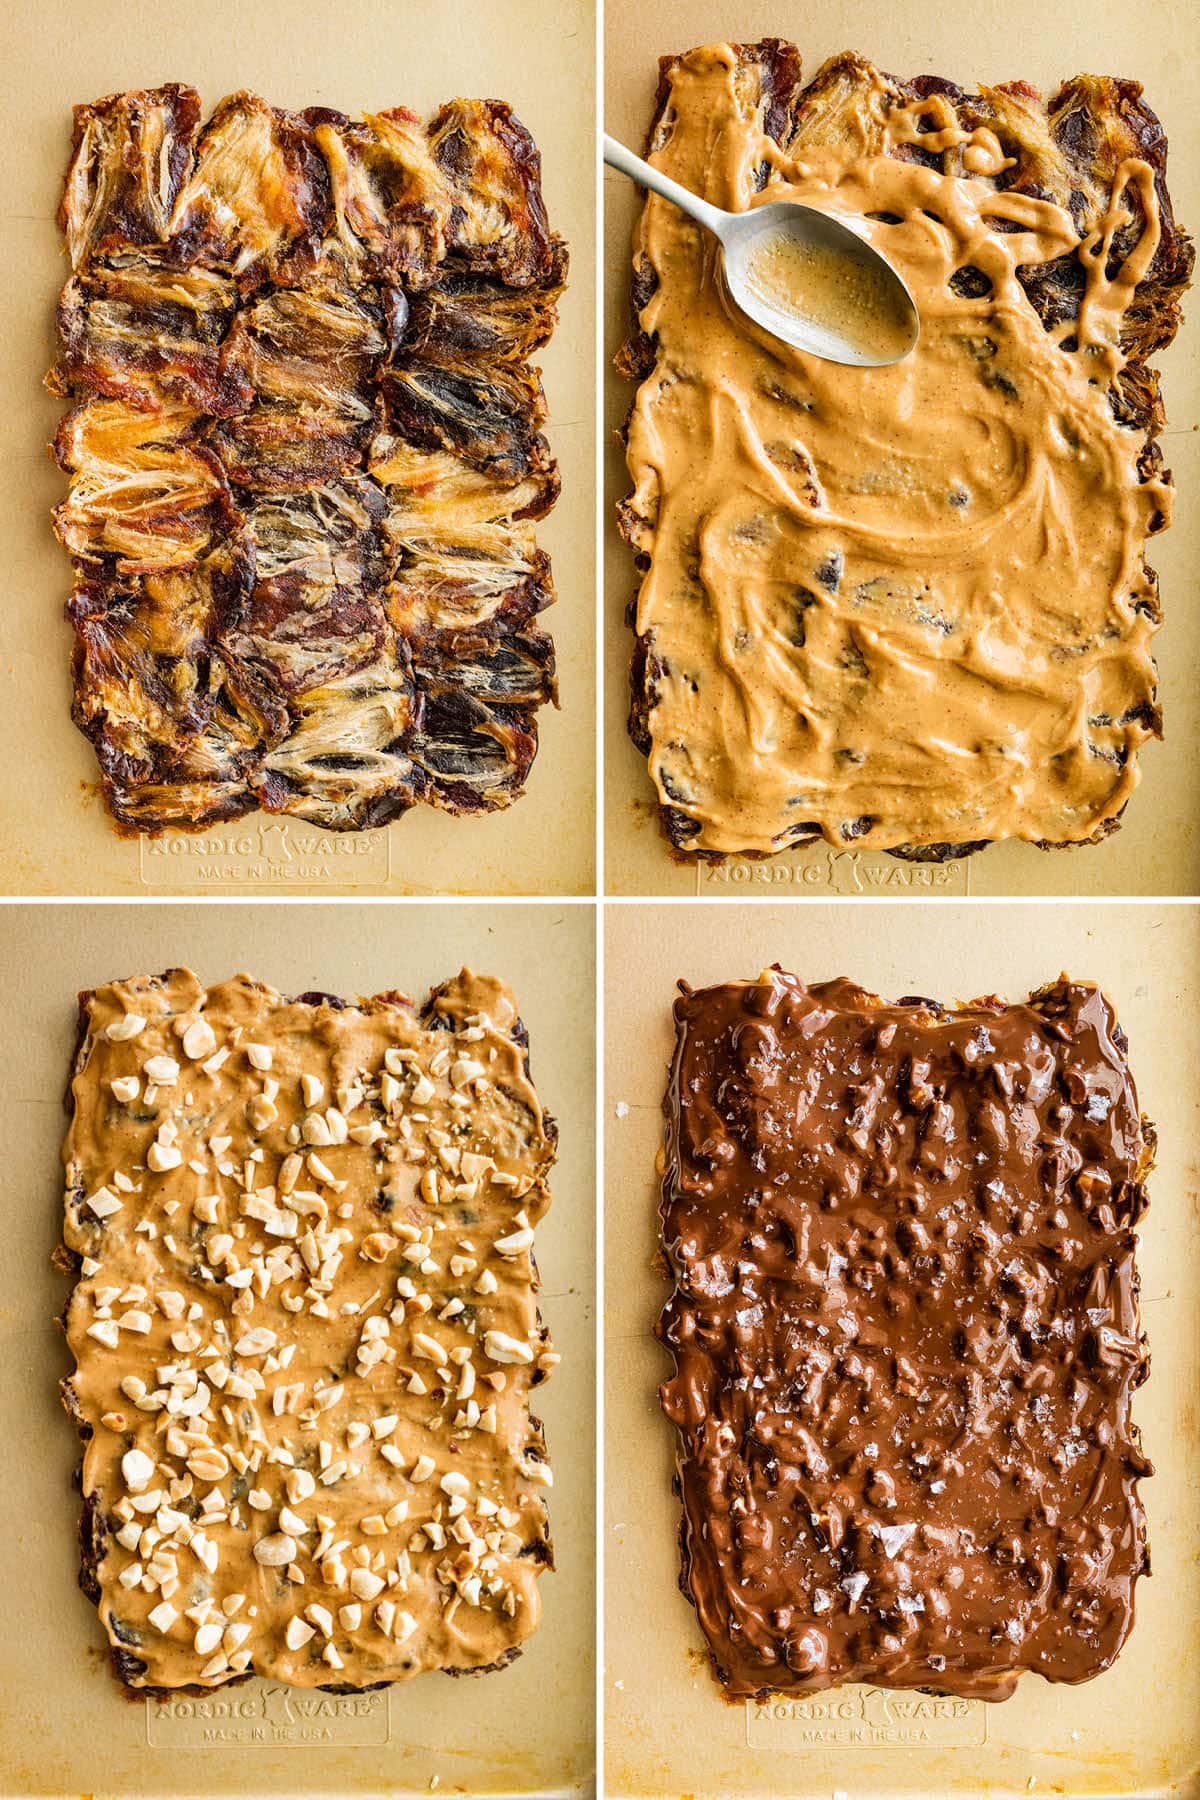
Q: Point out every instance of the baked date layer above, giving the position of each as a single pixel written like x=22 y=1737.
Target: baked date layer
x=296 y=349
x=305 y=1330
x=906 y=1335
x=908 y=610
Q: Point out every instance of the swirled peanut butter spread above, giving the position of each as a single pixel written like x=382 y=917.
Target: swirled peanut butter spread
x=305 y=1330
x=905 y=1334
x=899 y=606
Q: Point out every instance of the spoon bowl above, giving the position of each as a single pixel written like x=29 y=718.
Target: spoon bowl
x=810 y=279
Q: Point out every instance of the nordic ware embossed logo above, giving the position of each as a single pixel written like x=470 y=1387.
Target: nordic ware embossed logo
x=265 y=853
x=863 y=1718
x=840 y=872
x=262 y=1716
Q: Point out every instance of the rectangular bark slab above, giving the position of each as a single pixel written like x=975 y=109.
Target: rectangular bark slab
x=906 y=1334
x=907 y=608
x=305 y=1329
x=274 y=325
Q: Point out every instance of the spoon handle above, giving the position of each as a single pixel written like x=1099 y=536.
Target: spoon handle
x=618 y=157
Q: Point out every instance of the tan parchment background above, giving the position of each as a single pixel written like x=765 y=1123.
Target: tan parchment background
x=1157 y=850
x=65 y=1726
x=353 y=54
x=1134 y=1730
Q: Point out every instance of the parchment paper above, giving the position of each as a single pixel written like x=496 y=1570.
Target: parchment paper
x=65 y=1726
x=352 y=54
x=1157 y=849
x=1135 y=1730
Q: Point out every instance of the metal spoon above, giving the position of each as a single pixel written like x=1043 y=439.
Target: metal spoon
x=804 y=276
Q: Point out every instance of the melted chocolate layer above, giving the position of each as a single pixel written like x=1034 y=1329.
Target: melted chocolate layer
x=906 y=1334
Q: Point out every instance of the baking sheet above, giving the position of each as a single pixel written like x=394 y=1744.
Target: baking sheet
x=355 y=55
x=1157 y=850
x=65 y=1725
x=1134 y=1730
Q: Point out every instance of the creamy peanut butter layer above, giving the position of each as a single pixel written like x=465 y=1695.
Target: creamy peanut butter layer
x=902 y=607
x=305 y=1330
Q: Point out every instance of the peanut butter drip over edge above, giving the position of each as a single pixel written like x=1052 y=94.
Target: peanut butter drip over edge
x=305 y=1331
x=906 y=1335
x=889 y=606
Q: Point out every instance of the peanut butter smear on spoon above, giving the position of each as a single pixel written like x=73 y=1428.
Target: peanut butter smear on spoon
x=809 y=279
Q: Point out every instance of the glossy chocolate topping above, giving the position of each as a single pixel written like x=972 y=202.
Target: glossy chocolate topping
x=906 y=1334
